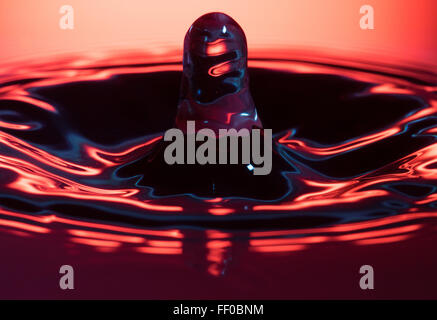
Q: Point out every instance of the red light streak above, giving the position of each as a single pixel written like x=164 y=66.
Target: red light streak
x=170 y=251
x=53 y=219
x=14 y=126
x=34 y=180
x=378 y=233
x=96 y=243
x=287 y=248
x=382 y=240
x=273 y=242
x=95 y=153
x=23 y=226
x=220 y=211
x=105 y=236
x=217 y=244
x=46 y=157
x=216 y=48
x=165 y=244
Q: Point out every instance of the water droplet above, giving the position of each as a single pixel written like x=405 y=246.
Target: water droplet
x=215 y=81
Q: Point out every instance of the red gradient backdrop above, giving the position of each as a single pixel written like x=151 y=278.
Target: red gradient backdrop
x=404 y=29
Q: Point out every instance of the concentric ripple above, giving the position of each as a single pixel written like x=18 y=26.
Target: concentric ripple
x=357 y=144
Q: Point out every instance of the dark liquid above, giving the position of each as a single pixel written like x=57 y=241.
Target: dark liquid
x=355 y=154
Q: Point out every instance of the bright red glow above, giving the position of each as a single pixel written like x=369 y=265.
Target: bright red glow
x=220 y=69
x=214 y=200
x=53 y=219
x=23 y=226
x=34 y=180
x=215 y=244
x=357 y=143
x=216 y=47
x=159 y=250
x=45 y=157
x=118 y=157
x=214 y=234
x=165 y=244
x=220 y=211
x=379 y=233
x=382 y=240
x=96 y=243
x=14 y=126
x=286 y=248
x=217 y=250
x=273 y=242
x=105 y=236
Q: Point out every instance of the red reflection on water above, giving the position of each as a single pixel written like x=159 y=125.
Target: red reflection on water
x=382 y=240
x=390 y=88
x=214 y=200
x=221 y=211
x=378 y=233
x=96 y=243
x=23 y=97
x=49 y=219
x=271 y=242
x=329 y=198
x=314 y=193
x=23 y=226
x=45 y=157
x=349 y=227
x=218 y=244
x=286 y=248
x=103 y=156
x=432 y=131
x=105 y=236
x=354 y=190
x=157 y=250
x=165 y=243
x=33 y=180
x=166 y=247
x=303 y=147
x=14 y=126
x=217 y=250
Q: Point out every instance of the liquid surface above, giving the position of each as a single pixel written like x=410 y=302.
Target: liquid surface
x=355 y=164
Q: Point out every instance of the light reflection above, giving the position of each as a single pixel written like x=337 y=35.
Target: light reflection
x=96 y=243
x=23 y=226
x=106 y=236
x=158 y=250
x=283 y=248
x=382 y=240
x=317 y=193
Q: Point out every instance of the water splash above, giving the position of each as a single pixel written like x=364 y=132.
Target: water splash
x=356 y=155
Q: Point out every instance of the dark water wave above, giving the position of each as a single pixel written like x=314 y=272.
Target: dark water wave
x=355 y=156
